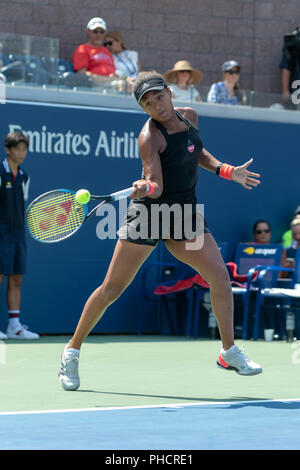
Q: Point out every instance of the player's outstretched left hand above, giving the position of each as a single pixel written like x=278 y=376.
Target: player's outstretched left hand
x=246 y=178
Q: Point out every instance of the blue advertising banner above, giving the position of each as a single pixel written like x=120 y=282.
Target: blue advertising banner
x=77 y=147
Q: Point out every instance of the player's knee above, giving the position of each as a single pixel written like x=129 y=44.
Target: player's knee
x=221 y=280
x=14 y=281
x=111 y=292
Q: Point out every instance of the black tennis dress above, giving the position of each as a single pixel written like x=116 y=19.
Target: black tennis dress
x=174 y=214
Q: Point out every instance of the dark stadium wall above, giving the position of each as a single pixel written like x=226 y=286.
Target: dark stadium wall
x=75 y=147
x=205 y=32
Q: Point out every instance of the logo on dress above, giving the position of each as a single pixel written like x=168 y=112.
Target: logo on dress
x=190 y=146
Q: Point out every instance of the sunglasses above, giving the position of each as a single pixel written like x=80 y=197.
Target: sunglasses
x=259 y=232
x=108 y=43
x=232 y=72
x=98 y=31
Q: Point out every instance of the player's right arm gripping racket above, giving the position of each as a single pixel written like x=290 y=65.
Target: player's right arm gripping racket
x=56 y=215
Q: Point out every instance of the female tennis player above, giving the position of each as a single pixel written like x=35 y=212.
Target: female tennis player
x=171 y=150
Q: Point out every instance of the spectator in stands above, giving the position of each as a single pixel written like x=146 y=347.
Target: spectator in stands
x=262 y=232
x=287 y=237
x=228 y=90
x=182 y=79
x=290 y=64
x=126 y=61
x=92 y=58
x=289 y=253
x=14 y=184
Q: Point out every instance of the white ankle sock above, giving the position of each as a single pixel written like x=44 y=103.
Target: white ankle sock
x=75 y=351
x=14 y=319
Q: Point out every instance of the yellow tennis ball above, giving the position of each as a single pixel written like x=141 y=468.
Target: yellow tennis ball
x=83 y=196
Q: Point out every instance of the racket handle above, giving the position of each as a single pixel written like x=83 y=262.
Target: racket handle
x=121 y=194
x=124 y=193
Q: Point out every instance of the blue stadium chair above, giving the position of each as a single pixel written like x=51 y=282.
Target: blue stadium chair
x=50 y=64
x=250 y=258
x=56 y=68
x=179 y=278
x=14 y=71
x=64 y=66
x=162 y=274
x=201 y=297
x=25 y=68
x=267 y=290
x=242 y=271
x=75 y=80
x=4 y=59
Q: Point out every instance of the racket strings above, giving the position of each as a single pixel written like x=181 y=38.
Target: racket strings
x=55 y=216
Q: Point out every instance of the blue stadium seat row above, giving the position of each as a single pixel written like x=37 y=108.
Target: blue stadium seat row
x=41 y=71
x=257 y=267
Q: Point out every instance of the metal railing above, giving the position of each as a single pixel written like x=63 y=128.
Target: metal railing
x=27 y=61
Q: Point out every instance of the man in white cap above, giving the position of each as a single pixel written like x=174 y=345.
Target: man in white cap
x=92 y=58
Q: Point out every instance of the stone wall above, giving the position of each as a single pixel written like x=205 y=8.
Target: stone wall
x=205 y=32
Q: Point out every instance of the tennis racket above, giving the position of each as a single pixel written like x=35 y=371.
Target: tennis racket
x=56 y=215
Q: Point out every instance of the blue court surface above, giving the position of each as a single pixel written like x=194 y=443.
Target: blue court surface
x=248 y=425
x=149 y=393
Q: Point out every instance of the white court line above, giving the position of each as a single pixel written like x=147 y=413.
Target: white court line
x=175 y=405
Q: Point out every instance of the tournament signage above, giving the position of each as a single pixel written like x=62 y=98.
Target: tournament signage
x=75 y=147
x=253 y=250
x=108 y=143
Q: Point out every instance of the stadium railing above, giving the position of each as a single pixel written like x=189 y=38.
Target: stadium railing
x=28 y=60
x=162 y=282
x=250 y=258
x=288 y=298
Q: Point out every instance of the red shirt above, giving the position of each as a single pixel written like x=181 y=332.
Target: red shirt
x=97 y=60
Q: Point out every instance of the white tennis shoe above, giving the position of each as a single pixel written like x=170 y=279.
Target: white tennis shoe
x=235 y=359
x=20 y=332
x=68 y=375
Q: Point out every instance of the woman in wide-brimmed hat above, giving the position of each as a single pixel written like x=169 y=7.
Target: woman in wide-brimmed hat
x=182 y=78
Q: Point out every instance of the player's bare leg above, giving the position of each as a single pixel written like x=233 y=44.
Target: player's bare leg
x=126 y=261
x=2 y=335
x=209 y=263
x=13 y=292
x=15 y=330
